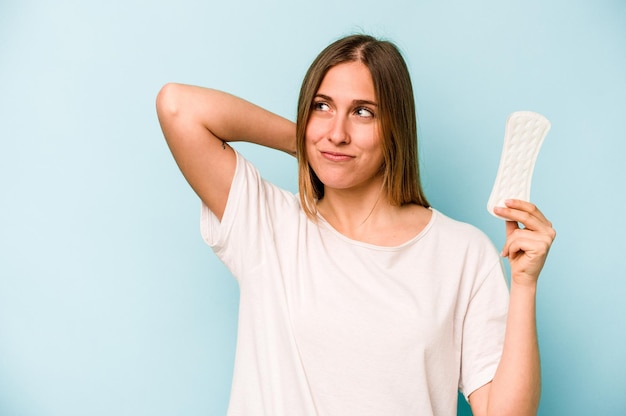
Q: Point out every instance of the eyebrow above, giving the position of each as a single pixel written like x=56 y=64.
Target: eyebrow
x=354 y=102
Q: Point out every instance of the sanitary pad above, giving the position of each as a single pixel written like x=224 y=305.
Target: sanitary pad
x=524 y=134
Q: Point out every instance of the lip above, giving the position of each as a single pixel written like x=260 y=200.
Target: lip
x=336 y=156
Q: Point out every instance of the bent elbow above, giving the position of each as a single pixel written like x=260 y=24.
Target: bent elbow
x=168 y=101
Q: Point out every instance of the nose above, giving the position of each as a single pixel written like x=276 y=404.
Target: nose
x=338 y=132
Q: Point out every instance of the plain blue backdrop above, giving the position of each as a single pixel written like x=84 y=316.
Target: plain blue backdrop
x=110 y=303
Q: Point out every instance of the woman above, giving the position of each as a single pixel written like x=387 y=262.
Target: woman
x=357 y=298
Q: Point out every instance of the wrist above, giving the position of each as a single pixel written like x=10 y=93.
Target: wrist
x=524 y=279
x=523 y=285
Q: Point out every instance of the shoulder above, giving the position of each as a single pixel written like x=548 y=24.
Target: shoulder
x=268 y=205
x=254 y=205
x=460 y=236
x=455 y=228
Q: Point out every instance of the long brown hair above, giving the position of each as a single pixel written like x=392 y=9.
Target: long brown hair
x=394 y=94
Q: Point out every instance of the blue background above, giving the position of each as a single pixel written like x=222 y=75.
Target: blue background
x=110 y=303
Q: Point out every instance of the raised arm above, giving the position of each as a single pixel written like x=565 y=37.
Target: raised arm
x=198 y=122
x=516 y=387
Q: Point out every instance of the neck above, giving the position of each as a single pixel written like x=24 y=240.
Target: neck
x=350 y=211
x=367 y=215
x=371 y=218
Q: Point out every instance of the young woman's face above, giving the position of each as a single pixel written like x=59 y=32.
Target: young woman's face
x=343 y=143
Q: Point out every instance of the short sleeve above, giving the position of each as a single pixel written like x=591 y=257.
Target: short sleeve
x=237 y=236
x=483 y=331
x=248 y=227
x=214 y=231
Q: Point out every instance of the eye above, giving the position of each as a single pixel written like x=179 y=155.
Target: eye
x=320 y=106
x=364 y=112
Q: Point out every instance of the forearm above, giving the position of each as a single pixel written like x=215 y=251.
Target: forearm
x=516 y=387
x=197 y=121
x=229 y=118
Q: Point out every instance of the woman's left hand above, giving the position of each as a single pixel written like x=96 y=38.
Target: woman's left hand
x=527 y=247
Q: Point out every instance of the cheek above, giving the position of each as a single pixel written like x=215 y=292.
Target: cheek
x=377 y=140
x=314 y=131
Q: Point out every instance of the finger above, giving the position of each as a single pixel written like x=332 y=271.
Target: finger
x=526 y=206
x=525 y=214
x=511 y=226
x=530 y=242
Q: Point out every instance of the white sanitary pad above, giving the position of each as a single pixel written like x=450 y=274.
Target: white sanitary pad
x=524 y=134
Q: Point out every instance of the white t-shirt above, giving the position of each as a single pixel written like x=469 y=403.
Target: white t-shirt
x=333 y=326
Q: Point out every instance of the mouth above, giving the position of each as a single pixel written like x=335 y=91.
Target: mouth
x=336 y=157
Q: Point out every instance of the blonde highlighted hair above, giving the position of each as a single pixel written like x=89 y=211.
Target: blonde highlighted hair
x=396 y=112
